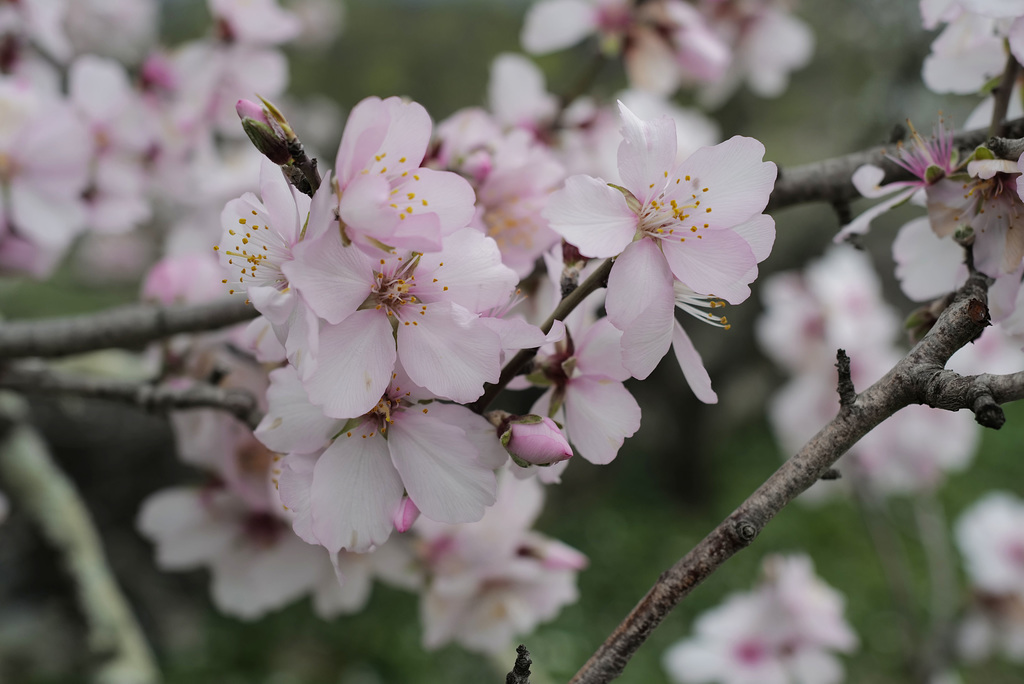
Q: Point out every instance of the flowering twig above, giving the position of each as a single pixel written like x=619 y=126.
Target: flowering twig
x=520 y=673
x=918 y=378
x=830 y=180
x=595 y=281
x=129 y=326
x=50 y=499
x=149 y=397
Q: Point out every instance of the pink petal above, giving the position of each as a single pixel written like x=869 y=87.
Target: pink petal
x=448 y=351
x=354 y=365
x=692 y=366
x=647 y=154
x=555 y=24
x=280 y=199
x=399 y=150
x=720 y=263
x=759 y=232
x=355 y=491
x=440 y=469
x=364 y=206
x=638 y=278
x=468 y=271
x=738 y=182
x=599 y=415
x=331 y=278
x=292 y=423
x=647 y=339
x=479 y=432
x=599 y=351
x=650 y=62
x=446 y=195
x=365 y=130
x=592 y=216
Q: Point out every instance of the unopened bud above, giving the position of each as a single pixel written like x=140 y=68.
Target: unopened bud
x=265 y=133
x=406 y=514
x=558 y=556
x=535 y=440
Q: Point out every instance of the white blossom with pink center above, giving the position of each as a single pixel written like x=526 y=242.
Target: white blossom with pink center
x=494 y=580
x=122 y=136
x=698 y=223
x=787 y=630
x=837 y=304
x=384 y=197
x=990 y=535
x=346 y=496
x=44 y=157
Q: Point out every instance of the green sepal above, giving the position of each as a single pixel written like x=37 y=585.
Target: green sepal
x=934 y=174
x=631 y=201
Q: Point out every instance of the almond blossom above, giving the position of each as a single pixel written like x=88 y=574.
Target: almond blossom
x=698 y=223
x=787 y=630
x=347 y=495
x=384 y=196
x=494 y=579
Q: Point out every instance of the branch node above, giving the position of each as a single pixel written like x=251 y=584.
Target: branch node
x=847 y=393
x=746 y=531
x=520 y=673
x=831 y=474
x=977 y=311
x=988 y=413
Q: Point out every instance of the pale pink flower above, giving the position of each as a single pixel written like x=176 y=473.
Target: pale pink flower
x=384 y=196
x=494 y=580
x=767 y=44
x=990 y=535
x=587 y=395
x=347 y=497
x=557 y=24
x=44 y=157
x=124 y=30
x=517 y=94
x=431 y=298
x=994 y=623
x=698 y=223
x=966 y=55
x=513 y=175
x=787 y=630
x=929 y=161
x=259 y=22
x=184 y=278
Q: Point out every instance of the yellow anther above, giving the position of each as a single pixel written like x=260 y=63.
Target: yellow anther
x=242 y=221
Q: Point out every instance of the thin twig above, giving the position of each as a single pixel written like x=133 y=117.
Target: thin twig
x=149 y=397
x=942 y=579
x=1001 y=95
x=123 y=327
x=908 y=382
x=595 y=281
x=45 y=493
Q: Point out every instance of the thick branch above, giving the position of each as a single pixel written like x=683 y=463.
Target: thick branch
x=129 y=326
x=149 y=397
x=50 y=499
x=956 y=326
x=829 y=180
x=1001 y=95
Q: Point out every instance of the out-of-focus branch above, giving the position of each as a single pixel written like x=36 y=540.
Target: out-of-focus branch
x=918 y=378
x=1001 y=95
x=123 y=327
x=829 y=180
x=50 y=499
x=149 y=397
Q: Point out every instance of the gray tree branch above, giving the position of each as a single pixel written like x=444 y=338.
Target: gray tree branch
x=918 y=378
x=149 y=397
x=123 y=327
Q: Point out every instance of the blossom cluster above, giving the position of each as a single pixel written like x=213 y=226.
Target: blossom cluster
x=836 y=303
x=991 y=540
x=787 y=629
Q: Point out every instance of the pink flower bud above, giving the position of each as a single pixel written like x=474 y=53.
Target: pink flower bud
x=266 y=135
x=251 y=110
x=406 y=514
x=533 y=440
